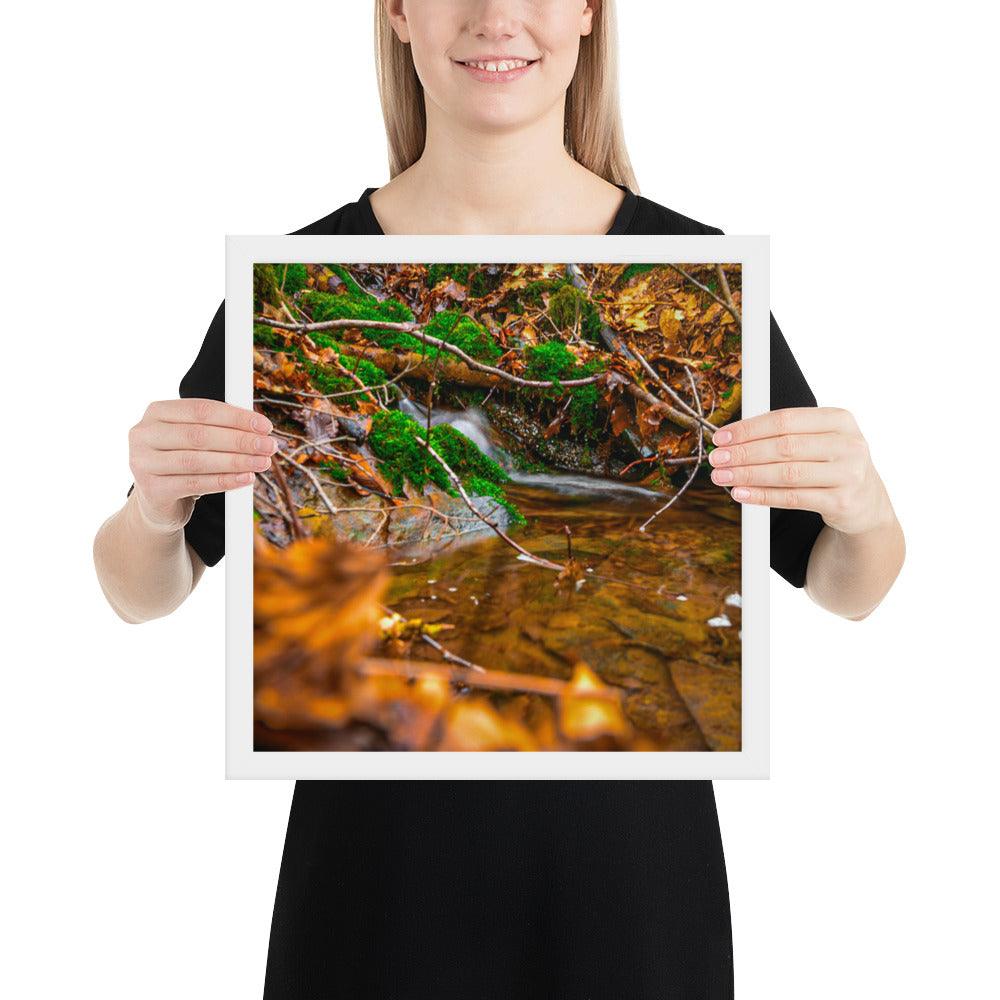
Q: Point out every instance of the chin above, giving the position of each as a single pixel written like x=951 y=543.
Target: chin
x=492 y=116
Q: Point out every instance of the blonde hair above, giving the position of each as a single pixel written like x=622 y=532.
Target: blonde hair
x=593 y=133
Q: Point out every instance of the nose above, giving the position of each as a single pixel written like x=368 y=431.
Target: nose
x=495 y=19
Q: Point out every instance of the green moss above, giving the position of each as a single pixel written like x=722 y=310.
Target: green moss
x=265 y=287
x=457 y=272
x=324 y=306
x=464 y=458
x=275 y=340
x=480 y=487
x=291 y=278
x=479 y=280
x=532 y=293
x=634 y=270
x=549 y=362
x=584 y=410
x=517 y=298
x=484 y=281
x=512 y=304
x=465 y=333
x=564 y=306
x=369 y=373
x=448 y=325
x=335 y=472
x=396 y=438
x=553 y=362
x=325 y=378
x=568 y=305
x=564 y=301
x=347 y=278
x=329 y=380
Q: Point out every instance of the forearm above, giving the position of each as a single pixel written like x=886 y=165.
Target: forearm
x=145 y=568
x=850 y=574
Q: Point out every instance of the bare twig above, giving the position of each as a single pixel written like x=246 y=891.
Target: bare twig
x=297 y=528
x=493 y=680
x=457 y=483
x=727 y=294
x=694 y=467
x=432 y=642
x=697 y=415
x=731 y=309
x=311 y=476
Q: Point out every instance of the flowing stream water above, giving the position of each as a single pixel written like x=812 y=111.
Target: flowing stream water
x=658 y=612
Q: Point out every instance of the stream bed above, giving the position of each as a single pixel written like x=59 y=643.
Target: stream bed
x=657 y=613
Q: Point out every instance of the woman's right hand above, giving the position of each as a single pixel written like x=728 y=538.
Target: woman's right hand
x=184 y=448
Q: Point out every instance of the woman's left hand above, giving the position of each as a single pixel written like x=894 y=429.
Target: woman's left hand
x=804 y=457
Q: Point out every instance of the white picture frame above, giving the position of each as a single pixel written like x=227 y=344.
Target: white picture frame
x=751 y=761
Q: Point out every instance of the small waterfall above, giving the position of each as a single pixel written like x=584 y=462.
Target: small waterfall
x=473 y=423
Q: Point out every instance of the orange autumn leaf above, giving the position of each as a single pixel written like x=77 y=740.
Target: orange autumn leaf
x=589 y=708
x=621 y=417
x=474 y=724
x=318 y=597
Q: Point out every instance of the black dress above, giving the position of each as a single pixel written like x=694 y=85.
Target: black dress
x=475 y=890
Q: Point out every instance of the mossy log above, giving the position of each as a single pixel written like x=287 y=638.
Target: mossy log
x=416 y=366
x=455 y=370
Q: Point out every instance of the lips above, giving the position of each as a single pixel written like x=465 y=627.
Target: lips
x=499 y=70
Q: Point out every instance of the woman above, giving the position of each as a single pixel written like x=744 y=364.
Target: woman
x=502 y=889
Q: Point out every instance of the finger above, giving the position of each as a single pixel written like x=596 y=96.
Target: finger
x=177 y=487
x=207 y=437
x=820 y=500
x=790 y=475
x=789 y=420
x=181 y=463
x=208 y=411
x=783 y=448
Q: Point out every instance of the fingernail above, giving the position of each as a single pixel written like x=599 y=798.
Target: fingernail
x=244 y=477
x=262 y=444
x=261 y=424
x=722 y=437
x=720 y=456
x=741 y=493
x=722 y=475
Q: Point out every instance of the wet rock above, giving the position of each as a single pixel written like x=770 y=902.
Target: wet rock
x=528 y=434
x=714 y=698
x=412 y=522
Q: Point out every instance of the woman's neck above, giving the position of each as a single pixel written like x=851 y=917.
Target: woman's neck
x=519 y=181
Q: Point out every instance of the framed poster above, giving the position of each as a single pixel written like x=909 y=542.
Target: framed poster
x=488 y=545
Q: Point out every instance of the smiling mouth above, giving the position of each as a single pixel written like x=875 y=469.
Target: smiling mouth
x=497 y=65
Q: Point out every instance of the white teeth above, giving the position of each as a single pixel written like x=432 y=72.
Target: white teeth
x=499 y=67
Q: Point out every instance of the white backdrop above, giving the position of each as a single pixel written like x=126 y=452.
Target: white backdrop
x=857 y=135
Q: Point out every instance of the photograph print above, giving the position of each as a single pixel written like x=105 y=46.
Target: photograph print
x=489 y=524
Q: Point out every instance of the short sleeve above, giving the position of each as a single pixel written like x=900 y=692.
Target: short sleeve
x=793 y=532
x=205 y=530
